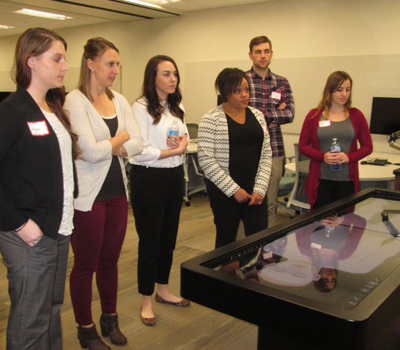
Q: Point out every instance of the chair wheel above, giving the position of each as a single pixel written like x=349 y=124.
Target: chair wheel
x=187 y=204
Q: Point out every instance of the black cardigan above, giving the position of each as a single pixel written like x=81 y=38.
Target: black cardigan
x=31 y=178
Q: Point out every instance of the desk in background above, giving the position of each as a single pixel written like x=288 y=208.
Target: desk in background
x=372 y=175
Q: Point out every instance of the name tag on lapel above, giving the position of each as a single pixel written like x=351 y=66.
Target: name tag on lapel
x=38 y=128
x=276 y=95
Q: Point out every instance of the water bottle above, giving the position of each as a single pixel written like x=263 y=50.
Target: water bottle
x=335 y=148
x=329 y=230
x=173 y=129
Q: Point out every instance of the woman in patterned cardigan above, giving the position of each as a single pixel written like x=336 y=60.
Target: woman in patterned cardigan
x=235 y=155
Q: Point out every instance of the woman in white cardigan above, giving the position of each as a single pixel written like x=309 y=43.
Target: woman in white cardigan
x=235 y=154
x=107 y=132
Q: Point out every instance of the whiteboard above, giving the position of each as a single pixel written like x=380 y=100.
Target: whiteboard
x=373 y=76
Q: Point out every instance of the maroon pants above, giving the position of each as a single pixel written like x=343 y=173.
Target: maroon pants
x=96 y=243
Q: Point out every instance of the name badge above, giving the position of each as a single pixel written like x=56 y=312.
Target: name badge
x=276 y=95
x=267 y=255
x=38 y=128
x=316 y=245
x=324 y=123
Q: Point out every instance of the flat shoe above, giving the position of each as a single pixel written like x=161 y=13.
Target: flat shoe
x=182 y=303
x=147 y=321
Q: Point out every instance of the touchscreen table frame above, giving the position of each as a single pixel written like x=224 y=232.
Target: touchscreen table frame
x=286 y=318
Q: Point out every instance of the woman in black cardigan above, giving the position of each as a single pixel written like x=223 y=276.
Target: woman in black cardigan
x=36 y=191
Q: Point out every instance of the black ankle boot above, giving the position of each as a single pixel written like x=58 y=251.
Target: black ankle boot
x=89 y=339
x=109 y=328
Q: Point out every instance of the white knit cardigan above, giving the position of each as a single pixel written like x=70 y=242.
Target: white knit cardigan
x=93 y=135
x=213 y=152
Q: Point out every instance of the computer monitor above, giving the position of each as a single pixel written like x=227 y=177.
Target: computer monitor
x=385 y=115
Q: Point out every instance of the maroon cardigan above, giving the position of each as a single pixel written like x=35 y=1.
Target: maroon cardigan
x=309 y=146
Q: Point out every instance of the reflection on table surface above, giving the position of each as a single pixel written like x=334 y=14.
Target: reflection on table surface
x=338 y=260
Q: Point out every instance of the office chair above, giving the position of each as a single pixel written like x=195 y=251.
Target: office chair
x=194 y=177
x=285 y=187
x=193 y=130
x=298 y=198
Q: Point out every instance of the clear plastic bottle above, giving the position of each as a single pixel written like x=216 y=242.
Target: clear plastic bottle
x=173 y=129
x=335 y=148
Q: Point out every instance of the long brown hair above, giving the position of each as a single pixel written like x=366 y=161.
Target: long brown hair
x=32 y=43
x=334 y=82
x=93 y=49
x=154 y=107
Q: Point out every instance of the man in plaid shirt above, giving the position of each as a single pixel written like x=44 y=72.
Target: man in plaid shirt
x=272 y=95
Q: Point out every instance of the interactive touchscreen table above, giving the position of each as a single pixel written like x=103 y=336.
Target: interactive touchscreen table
x=329 y=279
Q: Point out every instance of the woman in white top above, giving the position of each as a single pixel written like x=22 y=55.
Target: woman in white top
x=157 y=181
x=107 y=133
x=36 y=191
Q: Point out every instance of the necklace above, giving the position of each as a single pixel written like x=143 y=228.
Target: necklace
x=101 y=106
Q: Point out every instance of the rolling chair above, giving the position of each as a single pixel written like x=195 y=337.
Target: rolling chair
x=194 y=177
x=193 y=130
x=286 y=186
x=298 y=199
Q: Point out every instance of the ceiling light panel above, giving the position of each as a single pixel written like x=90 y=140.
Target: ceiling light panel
x=42 y=14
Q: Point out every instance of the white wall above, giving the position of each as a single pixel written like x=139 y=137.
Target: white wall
x=298 y=29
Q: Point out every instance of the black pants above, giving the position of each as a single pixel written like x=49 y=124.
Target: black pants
x=228 y=213
x=157 y=195
x=330 y=191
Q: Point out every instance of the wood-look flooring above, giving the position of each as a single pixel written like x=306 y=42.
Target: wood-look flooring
x=195 y=327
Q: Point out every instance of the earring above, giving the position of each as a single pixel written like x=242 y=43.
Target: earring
x=34 y=67
x=92 y=70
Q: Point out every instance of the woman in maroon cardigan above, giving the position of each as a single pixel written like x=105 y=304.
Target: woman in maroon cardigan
x=334 y=118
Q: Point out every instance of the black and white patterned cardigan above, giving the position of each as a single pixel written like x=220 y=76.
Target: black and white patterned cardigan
x=213 y=152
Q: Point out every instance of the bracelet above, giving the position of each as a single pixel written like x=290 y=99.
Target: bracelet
x=120 y=153
x=21 y=227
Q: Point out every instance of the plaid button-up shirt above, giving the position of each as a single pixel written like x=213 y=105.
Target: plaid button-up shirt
x=266 y=95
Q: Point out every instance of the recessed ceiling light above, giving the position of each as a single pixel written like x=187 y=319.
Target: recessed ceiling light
x=138 y=2
x=2 y=26
x=41 y=14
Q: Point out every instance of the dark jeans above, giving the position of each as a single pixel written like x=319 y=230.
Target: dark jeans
x=330 y=191
x=157 y=195
x=97 y=241
x=228 y=213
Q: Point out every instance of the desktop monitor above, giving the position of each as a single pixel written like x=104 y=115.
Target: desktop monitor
x=385 y=115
